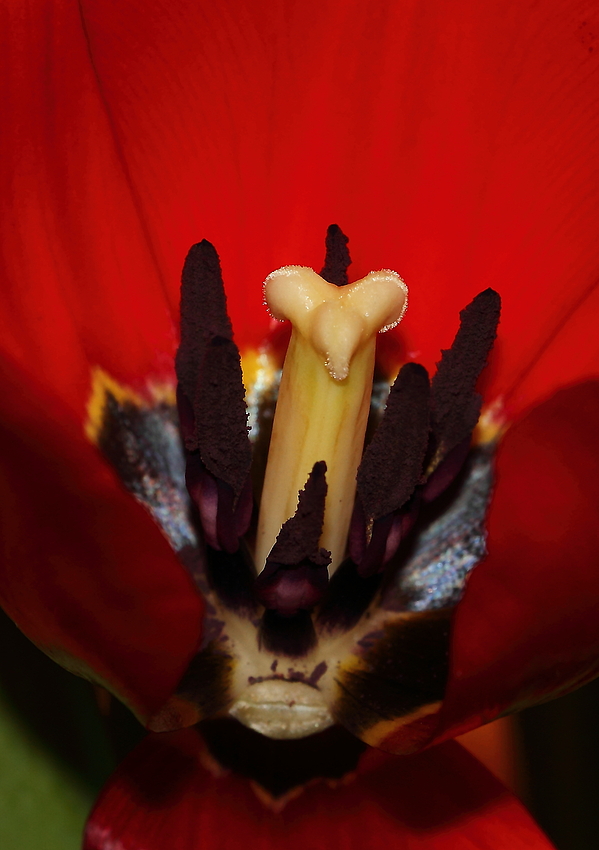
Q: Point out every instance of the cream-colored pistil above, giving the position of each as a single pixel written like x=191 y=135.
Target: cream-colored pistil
x=324 y=397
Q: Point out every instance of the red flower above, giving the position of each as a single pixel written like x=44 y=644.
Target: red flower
x=454 y=143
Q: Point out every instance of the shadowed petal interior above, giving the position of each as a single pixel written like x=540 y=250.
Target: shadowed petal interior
x=168 y=793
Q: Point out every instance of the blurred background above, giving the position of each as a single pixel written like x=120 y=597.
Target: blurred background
x=60 y=740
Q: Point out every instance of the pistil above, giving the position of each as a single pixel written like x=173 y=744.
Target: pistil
x=324 y=397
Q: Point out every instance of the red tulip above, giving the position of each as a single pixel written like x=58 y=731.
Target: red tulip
x=452 y=142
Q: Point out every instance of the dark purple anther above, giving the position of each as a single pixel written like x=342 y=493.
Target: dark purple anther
x=296 y=575
x=387 y=534
x=390 y=471
x=337 y=259
x=221 y=416
x=233 y=515
x=455 y=403
x=203 y=312
x=442 y=476
x=393 y=462
x=211 y=403
x=391 y=481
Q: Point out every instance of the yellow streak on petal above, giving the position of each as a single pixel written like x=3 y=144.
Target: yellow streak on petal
x=492 y=423
x=103 y=384
x=376 y=735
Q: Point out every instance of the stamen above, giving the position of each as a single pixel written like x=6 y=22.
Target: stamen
x=203 y=312
x=390 y=471
x=325 y=391
x=299 y=536
x=456 y=405
x=295 y=576
x=221 y=416
x=337 y=259
x=392 y=464
x=211 y=403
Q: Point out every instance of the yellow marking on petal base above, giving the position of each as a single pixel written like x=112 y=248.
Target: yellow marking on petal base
x=259 y=370
x=161 y=393
x=492 y=423
x=376 y=735
x=260 y=378
x=104 y=385
x=324 y=396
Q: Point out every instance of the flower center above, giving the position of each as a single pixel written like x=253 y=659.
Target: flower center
x=291 y=647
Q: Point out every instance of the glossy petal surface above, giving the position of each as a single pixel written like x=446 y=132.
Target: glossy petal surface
x=527 y=626
x=455 y=142
x=163 y=796
x=81 y=287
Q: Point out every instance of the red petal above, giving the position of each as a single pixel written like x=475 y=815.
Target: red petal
x=81 y=288
x=162 y=796
x=84 y=571
x=527 y=627
x=456 y=142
